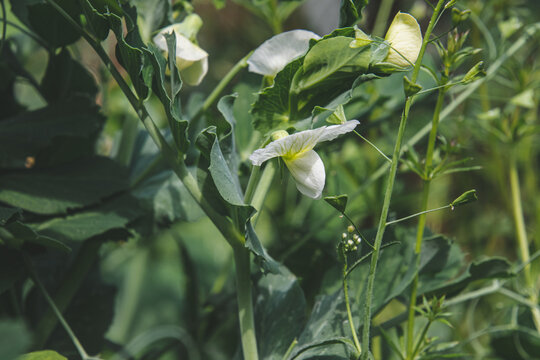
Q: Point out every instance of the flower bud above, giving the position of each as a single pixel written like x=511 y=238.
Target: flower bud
x=280 y=134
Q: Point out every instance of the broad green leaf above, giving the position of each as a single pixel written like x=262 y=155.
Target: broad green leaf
x=11 y=269
x=328 y=321
x=350 y=12
x=114 y=214
x=66 y=77
x=272 y=108
x=155 y=14
x=169 y=93
x=17 y=234
x=465 y=198
x=279 y=313
x=7 y=214
x=47 y=22
x=265 y=261
x=338 y=202
x=57 y=133
x=130 y=48
x=160 y=191
x=14 y=339
x=42 y=355
x=57 y=189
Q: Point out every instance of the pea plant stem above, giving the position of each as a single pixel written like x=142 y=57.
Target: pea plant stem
x=390 y=186
x=245 y=302
x=382 y=17
x=69 y=286
x=348 y=306
x=422 y=220
x=521 y=234
x=80 y=349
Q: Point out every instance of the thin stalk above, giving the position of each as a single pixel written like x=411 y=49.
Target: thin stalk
x=382 y=17
x=289 y=350
x=418 y=214
x=373 y=146
x=4 y=26
x=70 y=285
x=348 y=306
x=421 y=339
x=30 y=268
x=390 y=187
x=262 y=189
x=253 y=181
x=422 y=219
x=245 y=303
x=521 y=234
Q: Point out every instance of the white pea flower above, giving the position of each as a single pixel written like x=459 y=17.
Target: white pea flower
x=191 y=60
x=303 y=162
x=273 y=54
x=404 y=35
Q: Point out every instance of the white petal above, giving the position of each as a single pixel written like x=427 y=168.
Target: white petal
x=194 y=74
x=405 y=36
x=272 y=55
x=308 y=171
x=334 y=131
x=296 y=145
x=185 y=50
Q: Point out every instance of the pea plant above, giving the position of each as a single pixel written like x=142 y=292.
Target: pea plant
x=367 y=193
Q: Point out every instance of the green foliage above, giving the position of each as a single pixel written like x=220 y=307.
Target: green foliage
x=43 y=355
x=350 y=12
x=14 y=338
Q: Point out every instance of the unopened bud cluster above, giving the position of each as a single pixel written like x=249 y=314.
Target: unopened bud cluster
x=350 y=240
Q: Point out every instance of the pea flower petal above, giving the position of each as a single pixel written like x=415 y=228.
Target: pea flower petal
x=273 y=54
x=302 y=161
x=404 y=35
x=191 y=60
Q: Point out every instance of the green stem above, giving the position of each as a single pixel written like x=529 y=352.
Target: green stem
x=127 y=140
x=389 y=187
x=382 y=17
x=289 y=350
x=252 y=183
x=4 y=26
x=422 y=219
x=262 y=189
x=373 y=146
x=245 y=304
x=418 y=214
x=30 y=268
x=521 y=234
x=70 y=285
x=421 y=339
x=348 y=306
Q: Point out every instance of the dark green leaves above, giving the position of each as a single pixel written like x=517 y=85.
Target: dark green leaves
x=14 y=339
x=43 y=355
x=56 y=133
x=56 y=189
x=279 y=313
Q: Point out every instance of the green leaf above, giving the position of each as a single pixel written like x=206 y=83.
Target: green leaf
x=50 y=24
x=338 y=202
x=11 y=269
x=327 y=325
x=265 y=261
x=160 y=192
x=278 y=294
x=7 y=214
x=271 y=110
x=57 y=133
x=465 y=198
x=114 y=214
x=42 y=355
x=410 y=88
x=57 y=189
x=17 y=233
x=66 y=77
x=14 y=339
x=350 y=12
x=130 y=48
x=169 y=95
